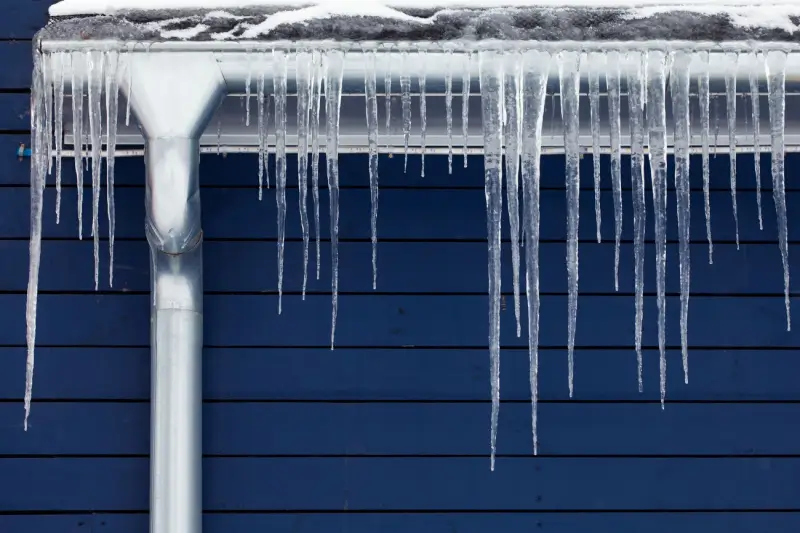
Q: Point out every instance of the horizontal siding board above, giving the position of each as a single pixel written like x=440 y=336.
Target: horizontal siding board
x=17 y=62
x=400 y=320
x=21 y=20
x=16 y=111
x=652 y=522
x=403 y=267
x=467 y=484
x=313 y=374
x=404 y=214
x=411 y=428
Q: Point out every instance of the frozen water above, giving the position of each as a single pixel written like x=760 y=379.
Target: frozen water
x=316 y=95
x=372 y=134
x=448 y=104
x=730 y=97
x=705 y=132
x=492 y=85
x=466 y=82
x=512 y=140
x=613 y=85
x=423 y=111
x=279 y=82
x=755 y=94
x=679 y=88
x=570 y=77
x=405 y=90
x=112 y=105
x=304 y=95
x=77 y=126
x=594 y=108
x=94 y=67
x=59 y=126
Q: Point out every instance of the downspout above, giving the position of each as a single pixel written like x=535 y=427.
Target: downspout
x=173 y=96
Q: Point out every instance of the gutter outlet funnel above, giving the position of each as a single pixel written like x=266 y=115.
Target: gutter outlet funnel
x=173 y=97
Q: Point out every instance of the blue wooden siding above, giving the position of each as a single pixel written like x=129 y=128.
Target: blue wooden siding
x=389 y=433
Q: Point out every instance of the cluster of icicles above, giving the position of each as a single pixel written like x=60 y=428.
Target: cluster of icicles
x=513 y=91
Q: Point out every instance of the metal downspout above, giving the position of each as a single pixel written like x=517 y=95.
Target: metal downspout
x=173 y=95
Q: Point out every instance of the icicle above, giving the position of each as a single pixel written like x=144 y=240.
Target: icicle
x=636 y=112
x=316 y=94
x=263 y=114
x=448 y=104
x=705 y=132
x=423 y=112
x=594 y=104
x=513 y=132
x=112 y=106
x=679 y=87
x=755 y=95
x=535 y=73
x=612 y=82
x=130 y=88
x=94 y=67
x=776 y=87
x=569 y=82
x=279 y=90
x=77 y=135
x=219 y=136
x=247 y=84
x=49 y=85
x=466 y=80
x=491 y=80
x=303 y=68
x=59 y=129
x=387 y=82
x=372 y=134
x=715 y=99
x=730 y=94
x=405 y=90
x=38 y=171
x=657 y=132
x=333 y=96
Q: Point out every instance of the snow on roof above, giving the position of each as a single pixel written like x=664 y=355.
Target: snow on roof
x=111 y=7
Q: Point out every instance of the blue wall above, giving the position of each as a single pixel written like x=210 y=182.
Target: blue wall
x=389 y=433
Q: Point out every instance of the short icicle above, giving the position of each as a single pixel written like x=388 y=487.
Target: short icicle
x=279 y=82
x=112 y=107
x=59 y=128
x=334 y=67
x=263 y=114
x=570 y=77
x=448 y=105
x=536 y=67
x=94 y=66
x=303 y=69
x=372 y=134
x=39 y=137
x=466 y=82
x=405 y=96
x=730 y=97
x=512 y=141
x=657 y=134
x=636 y=89
x=679 y=88
x=613 y=85
x=755 y=98
x=704 y=95
x=423 y=109
x=316 y=95
x=387 y=82
x=776 y=87
x=491 y=86
x=248 y=89
x=594 y=108
x=77 y=126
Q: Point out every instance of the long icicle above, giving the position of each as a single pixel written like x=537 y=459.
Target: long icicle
x=730 y=96
x=512 y=134
x=38 y=171
x=636 y=112
x=466 y=81
x=570 y=76
x=279 y=82
x=263 y=114
x=334 y=67
x=387 y=82
x=448 y=105
x=405 y=92
x=94 y=64
x=776 y=87
x=423 y=108
x=303 y=69
x=594 y=107
x=112 y=108
x=657 y=140
x=536 y=69
x=371 y=96
x=491 y=82
x=612 y=83
x=755 y=97
x=77 y=127
x=679 y=87
x=704 y=95
x=316 y=95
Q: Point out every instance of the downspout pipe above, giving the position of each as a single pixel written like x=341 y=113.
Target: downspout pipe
x=173 y=96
